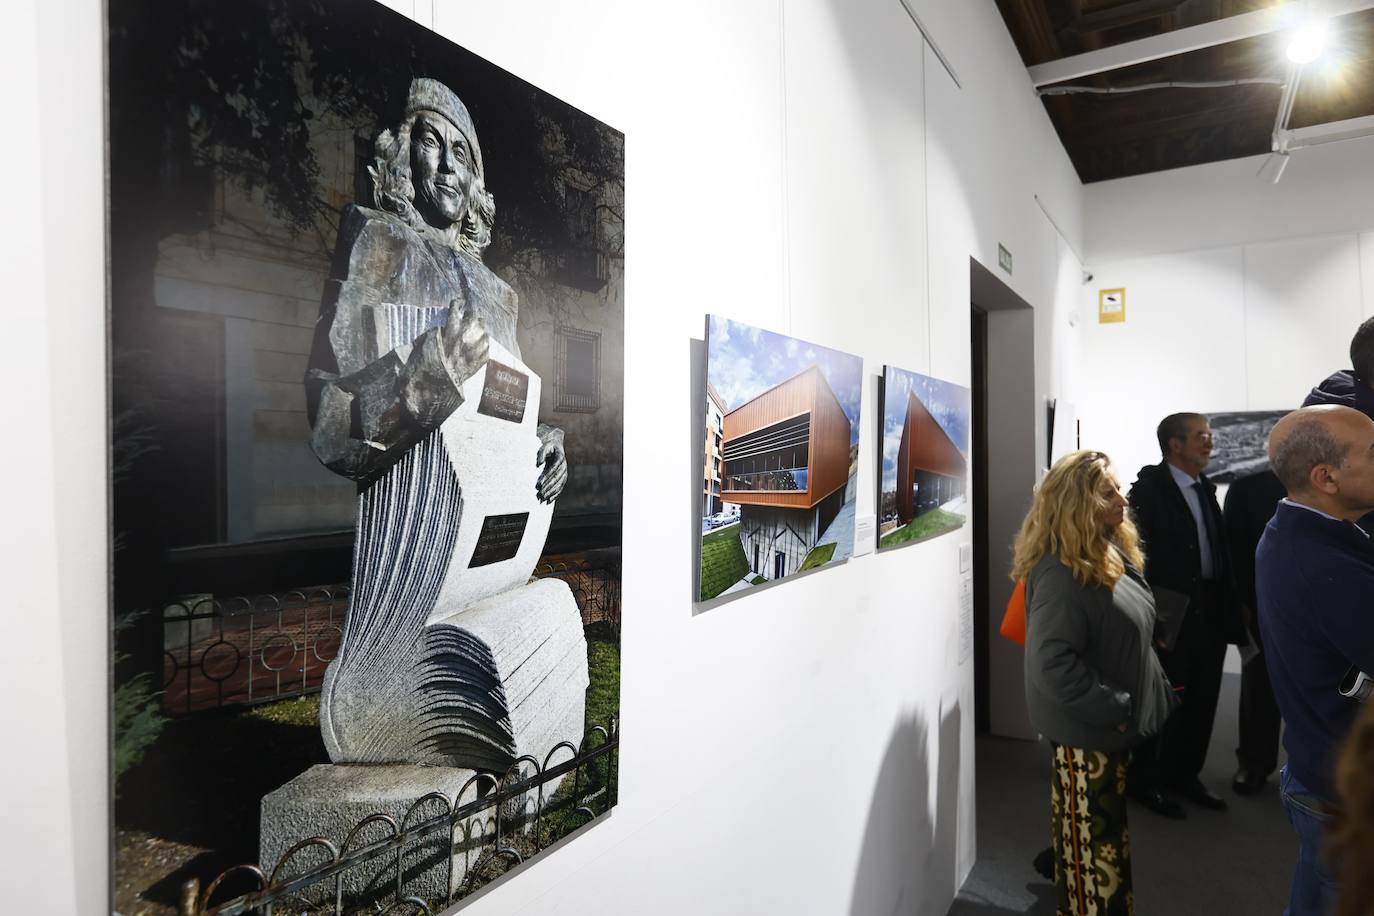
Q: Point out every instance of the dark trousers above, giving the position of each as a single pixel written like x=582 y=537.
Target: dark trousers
x=1259 y=718
x=1175 y=756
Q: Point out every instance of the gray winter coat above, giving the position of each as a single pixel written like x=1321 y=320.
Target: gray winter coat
x=1090 y=660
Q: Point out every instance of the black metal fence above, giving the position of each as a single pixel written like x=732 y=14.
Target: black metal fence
x=248 y=649
x=595 y=584
x=509 y=821
x=257 y=648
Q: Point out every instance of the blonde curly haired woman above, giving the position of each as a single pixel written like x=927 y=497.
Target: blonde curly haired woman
x=1094 y=687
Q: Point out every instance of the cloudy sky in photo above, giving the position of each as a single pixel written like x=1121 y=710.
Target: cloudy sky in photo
x=744 y=361
x=947 y=402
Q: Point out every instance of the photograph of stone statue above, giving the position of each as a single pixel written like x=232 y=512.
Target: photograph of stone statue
x=367 y=326
x=925 y=458
x=1239 y=443
x=781 y=457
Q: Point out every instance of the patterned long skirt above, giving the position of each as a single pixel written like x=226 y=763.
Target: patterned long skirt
x=1092 y=852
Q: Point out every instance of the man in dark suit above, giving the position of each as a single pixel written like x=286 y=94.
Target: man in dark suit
x=1250 y=503
x=1175 y=508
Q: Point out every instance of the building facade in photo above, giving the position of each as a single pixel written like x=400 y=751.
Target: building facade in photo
x=715 y=430
x=787 y=457
x=931 y=470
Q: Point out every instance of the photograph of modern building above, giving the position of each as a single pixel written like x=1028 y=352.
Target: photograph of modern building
x=789 y=449
x=925 y=457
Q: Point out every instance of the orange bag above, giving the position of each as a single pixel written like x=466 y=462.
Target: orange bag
x=1014 y=620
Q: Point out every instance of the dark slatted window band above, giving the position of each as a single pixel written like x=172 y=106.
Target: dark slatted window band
x=793 y=432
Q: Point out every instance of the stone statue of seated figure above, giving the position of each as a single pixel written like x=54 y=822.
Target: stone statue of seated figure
x=450 y=655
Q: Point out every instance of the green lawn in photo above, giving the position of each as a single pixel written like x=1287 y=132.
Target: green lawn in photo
x=722 y=561
x=818 y=557
x=936 y=521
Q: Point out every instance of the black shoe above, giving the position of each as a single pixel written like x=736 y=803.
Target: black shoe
x=1199 y=794
x=1159 y=803
x=1248 y=782
x=1044 y=864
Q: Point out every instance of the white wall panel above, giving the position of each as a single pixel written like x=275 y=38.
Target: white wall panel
x=1366 y=244
x=1302 y=304
x=1181 y=348
x=47 y=846
x=1325 y=190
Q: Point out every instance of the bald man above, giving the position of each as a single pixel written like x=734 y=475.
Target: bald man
x=1314 y=578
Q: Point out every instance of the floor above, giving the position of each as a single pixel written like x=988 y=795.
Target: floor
x=1236 y=863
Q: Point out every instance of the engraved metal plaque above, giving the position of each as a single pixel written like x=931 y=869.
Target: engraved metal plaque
x=499 y=539
x=504 y=393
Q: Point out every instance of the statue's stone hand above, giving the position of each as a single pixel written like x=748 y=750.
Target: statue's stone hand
x=464 y=342
x=442 y=360
x=555 y=461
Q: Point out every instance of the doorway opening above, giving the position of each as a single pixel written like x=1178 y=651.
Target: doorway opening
x=1002 y=342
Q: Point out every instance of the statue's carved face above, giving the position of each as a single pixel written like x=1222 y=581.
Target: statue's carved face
x=441 y=170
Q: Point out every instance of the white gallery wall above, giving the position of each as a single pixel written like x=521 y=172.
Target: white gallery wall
x=809 y=166
x=1240 y=295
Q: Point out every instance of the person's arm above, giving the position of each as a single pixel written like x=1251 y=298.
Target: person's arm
x=1056 y=637
x=1347 y=619
x=365 y=414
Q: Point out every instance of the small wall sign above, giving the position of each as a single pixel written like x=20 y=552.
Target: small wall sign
x=1111 y=306
x=1003 y=258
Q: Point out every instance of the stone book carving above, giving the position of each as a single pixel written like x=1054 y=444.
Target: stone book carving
x=444 y=640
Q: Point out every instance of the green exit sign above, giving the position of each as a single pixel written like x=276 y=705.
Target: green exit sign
x=1003 y=258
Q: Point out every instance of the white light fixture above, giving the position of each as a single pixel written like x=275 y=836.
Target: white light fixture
x=1308 y=43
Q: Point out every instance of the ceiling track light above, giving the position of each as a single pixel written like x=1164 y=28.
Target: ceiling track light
x=1308 y=42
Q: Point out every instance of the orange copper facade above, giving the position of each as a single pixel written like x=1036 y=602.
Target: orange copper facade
x=925 y=446
x=828 y=453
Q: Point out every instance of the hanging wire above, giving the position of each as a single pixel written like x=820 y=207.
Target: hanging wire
x=1171 y=84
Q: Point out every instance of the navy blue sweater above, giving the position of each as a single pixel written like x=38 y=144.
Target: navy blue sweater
x=1315 y=582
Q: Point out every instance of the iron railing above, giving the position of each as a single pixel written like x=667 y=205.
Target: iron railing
x=595 y=585
x=249 y=649
x=257 y=648
x=515 y=836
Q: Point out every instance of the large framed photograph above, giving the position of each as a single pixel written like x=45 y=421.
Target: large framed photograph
x=1240 y=440
x=781 y=457
x=925 y=458
x=367 y=325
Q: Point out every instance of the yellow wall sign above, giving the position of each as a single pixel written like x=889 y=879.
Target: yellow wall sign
x=1111 y=306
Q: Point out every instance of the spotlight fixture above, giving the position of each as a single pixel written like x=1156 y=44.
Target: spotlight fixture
x=1309 y=40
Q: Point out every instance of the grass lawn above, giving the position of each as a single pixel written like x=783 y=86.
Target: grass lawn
x=936 y=521
x=722 y=561
x=818 y=557
x=603 y=670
